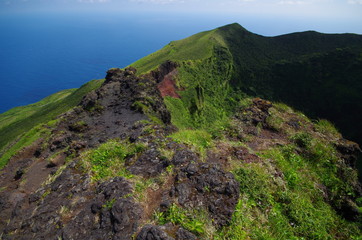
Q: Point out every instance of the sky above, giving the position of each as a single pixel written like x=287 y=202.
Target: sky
x=329 y=16
x=265 y=17
x=307 y=8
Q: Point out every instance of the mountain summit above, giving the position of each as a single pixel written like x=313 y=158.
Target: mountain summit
x=194 y=141
x=319 y=74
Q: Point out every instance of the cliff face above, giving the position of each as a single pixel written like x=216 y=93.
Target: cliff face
x=179 y=153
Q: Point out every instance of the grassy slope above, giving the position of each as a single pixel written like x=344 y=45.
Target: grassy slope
x=20 y=113
x=204 y=73
x=18 y=121
x=317 y=73
x=198 y=46
x=268 y=67
x=266 y=210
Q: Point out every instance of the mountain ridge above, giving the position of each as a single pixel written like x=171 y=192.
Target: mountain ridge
x=255 y=62
x=177 y=147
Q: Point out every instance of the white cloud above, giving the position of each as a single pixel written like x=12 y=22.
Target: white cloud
x=158 y=1
x=355 y=2
x=93 y=1
x=291 y=2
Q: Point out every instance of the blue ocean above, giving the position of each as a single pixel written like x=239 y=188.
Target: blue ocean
x=43 y=53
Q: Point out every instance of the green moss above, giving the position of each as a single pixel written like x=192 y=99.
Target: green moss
x=283 y=107
x=275 y=121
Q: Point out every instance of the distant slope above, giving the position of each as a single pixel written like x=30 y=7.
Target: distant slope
x=317 y=73
x=20 y=113
x=198 y=46
x=320 y=74
x=20 y=120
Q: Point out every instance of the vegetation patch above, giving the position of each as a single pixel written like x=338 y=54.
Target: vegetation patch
x=108 y=159
x=195 y=221
x=199 y=139
x=24 y=140
x=327 y=128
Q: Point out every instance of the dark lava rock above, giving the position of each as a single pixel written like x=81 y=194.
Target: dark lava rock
x=256 y=113
x=115 y=188
x=151 y=232
x=125 y=215
x=349 y=211
x=183 y=234
x=140 y=91
x=149 y=164
x=19 y=173
x=184 y=156
x=349 y=151
x=206 y=185
x=71 y=208
x=164 y=69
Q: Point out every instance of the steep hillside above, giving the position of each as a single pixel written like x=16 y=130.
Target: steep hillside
x=319 y=74
x=16 y=122
x=175 y=147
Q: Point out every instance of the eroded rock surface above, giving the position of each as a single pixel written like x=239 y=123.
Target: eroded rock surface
x=201 y=185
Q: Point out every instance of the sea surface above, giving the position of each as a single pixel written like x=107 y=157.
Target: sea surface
x=43 y=53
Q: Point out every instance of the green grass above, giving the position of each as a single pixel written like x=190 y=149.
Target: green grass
x=326 y=127
x=287 y=207
x=108 y=159
x=25 y=140
x=200 y=140
x=198 y=46
x=181 y=115
x=20 y=113
x=19 y=121
x=196 y=221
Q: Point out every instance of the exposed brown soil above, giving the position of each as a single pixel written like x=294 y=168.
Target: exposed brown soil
x=267 y=139
x=168 y=87
x=153 y=198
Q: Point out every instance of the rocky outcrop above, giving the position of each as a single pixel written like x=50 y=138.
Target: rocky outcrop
x=150 y=232
x=166 y=78
x=256 y=113
x=163 y=70
x=71 y=207
x=206 y=185
x=349 y=151
x=32 y=209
